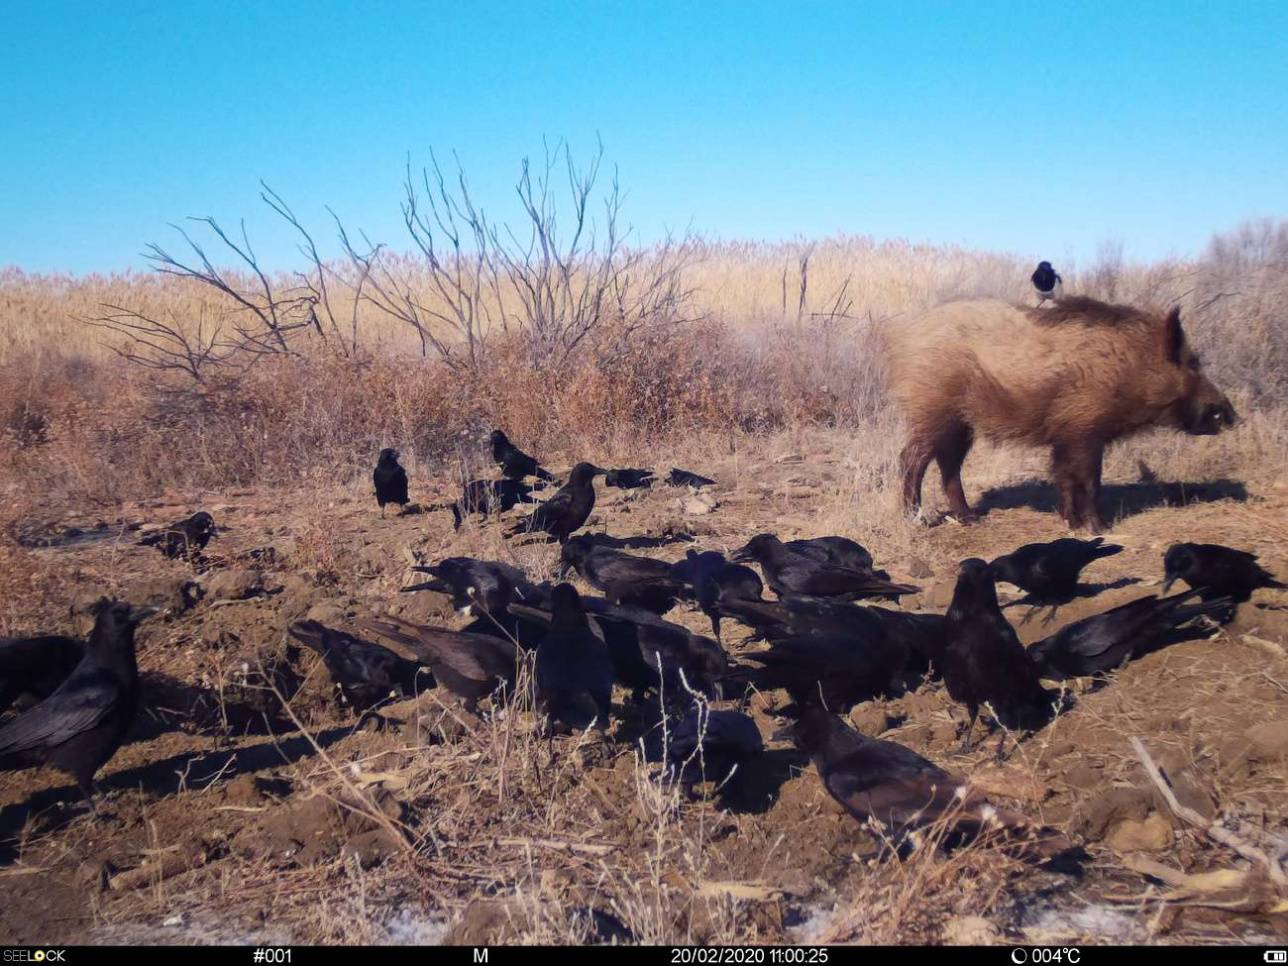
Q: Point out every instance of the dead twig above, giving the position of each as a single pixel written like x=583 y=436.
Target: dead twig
x=1211 y=830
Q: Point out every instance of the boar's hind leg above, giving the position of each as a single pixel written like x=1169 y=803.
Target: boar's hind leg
x=951 y=447
x=1076 y=467
x=913 y=462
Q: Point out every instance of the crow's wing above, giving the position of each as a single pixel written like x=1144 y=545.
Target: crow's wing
x=835 y=581
x=891 y=783
x=474 y=656
x=80 y=704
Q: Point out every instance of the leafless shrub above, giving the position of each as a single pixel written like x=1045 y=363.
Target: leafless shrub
x=167 y=346
x=269 y=314
x=549 y=283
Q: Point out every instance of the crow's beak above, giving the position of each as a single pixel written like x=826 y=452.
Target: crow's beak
x=1167 y=584
x=783 y=734
x=437 y=585
x=741 y=555
x=139 y=614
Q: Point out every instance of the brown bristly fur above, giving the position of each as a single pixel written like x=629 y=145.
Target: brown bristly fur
x=1074 y=377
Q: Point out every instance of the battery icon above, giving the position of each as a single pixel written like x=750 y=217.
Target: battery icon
x=1275 y=955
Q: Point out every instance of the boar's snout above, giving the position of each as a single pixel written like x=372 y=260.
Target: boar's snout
x=1209 y=414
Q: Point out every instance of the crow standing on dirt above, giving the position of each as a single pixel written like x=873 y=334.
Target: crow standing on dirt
x=573 y=674
x=568 y=509
x=485 y=589
x=390 y=480
x=715 y=582
x=35 y=666
x=896 y=787
x=837 y=551
x=922 y=634
x=707 y=745
x=1216 y=571
x=840 y=669
x=1047 y=282
x=1106 y=641
x=1049 y=571
x=366 y=673
x=984 y=662
x=790 y=572
x=183 y=538
x=792 y=616
x=486 y=586
x=624 y=578
x=486 y=497
x=647 y=651
x=515 y=463
x=630 y=479
x=471 y=666
x=83 y=722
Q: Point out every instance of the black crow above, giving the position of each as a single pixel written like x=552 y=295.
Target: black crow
x=903 y=792
x=390 y=480
x=82 y=723
x=649 y=652
x=574 y=673
x=838 y=551
x=1216 y=571
x=475 y=585
x=841 y=669
x=715 y=582
x=184 y=538
x=471 y=666
x=707 y=745
x=485 y=589
x=514 y=462
x=984 y=662
x=679 y=477
x=623 y=577
x=1049 y=571
x=568 y=509
x=33 y=667
x=486 y=497
x=1106 y=641
x=366 y=673
x=629 y=479
x=922 y=634
x=795 y=616
x=789 y=572
x=1047 y=282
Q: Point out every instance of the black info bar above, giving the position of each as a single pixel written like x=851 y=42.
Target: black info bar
x=1234 y=955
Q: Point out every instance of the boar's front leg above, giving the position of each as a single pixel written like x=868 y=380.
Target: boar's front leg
x=1076 y=467
x=1090 y=492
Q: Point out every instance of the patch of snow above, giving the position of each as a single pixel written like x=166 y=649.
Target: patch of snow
x=197 y=932
x=1105 y=923
x=410 y=927
x=816 y=927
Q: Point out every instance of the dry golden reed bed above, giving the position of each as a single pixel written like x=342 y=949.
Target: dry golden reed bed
x=757 y=338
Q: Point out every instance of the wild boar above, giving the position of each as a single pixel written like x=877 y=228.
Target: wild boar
x=1075 y=376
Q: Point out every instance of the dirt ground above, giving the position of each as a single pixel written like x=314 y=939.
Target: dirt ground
x=251 y=805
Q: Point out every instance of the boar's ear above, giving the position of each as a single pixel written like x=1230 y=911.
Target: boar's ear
x=1173 y=336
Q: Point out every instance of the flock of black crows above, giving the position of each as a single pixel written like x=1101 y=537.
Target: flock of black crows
x=567 y=650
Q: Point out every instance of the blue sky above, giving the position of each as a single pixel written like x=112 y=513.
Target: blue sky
x=1039 y=129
